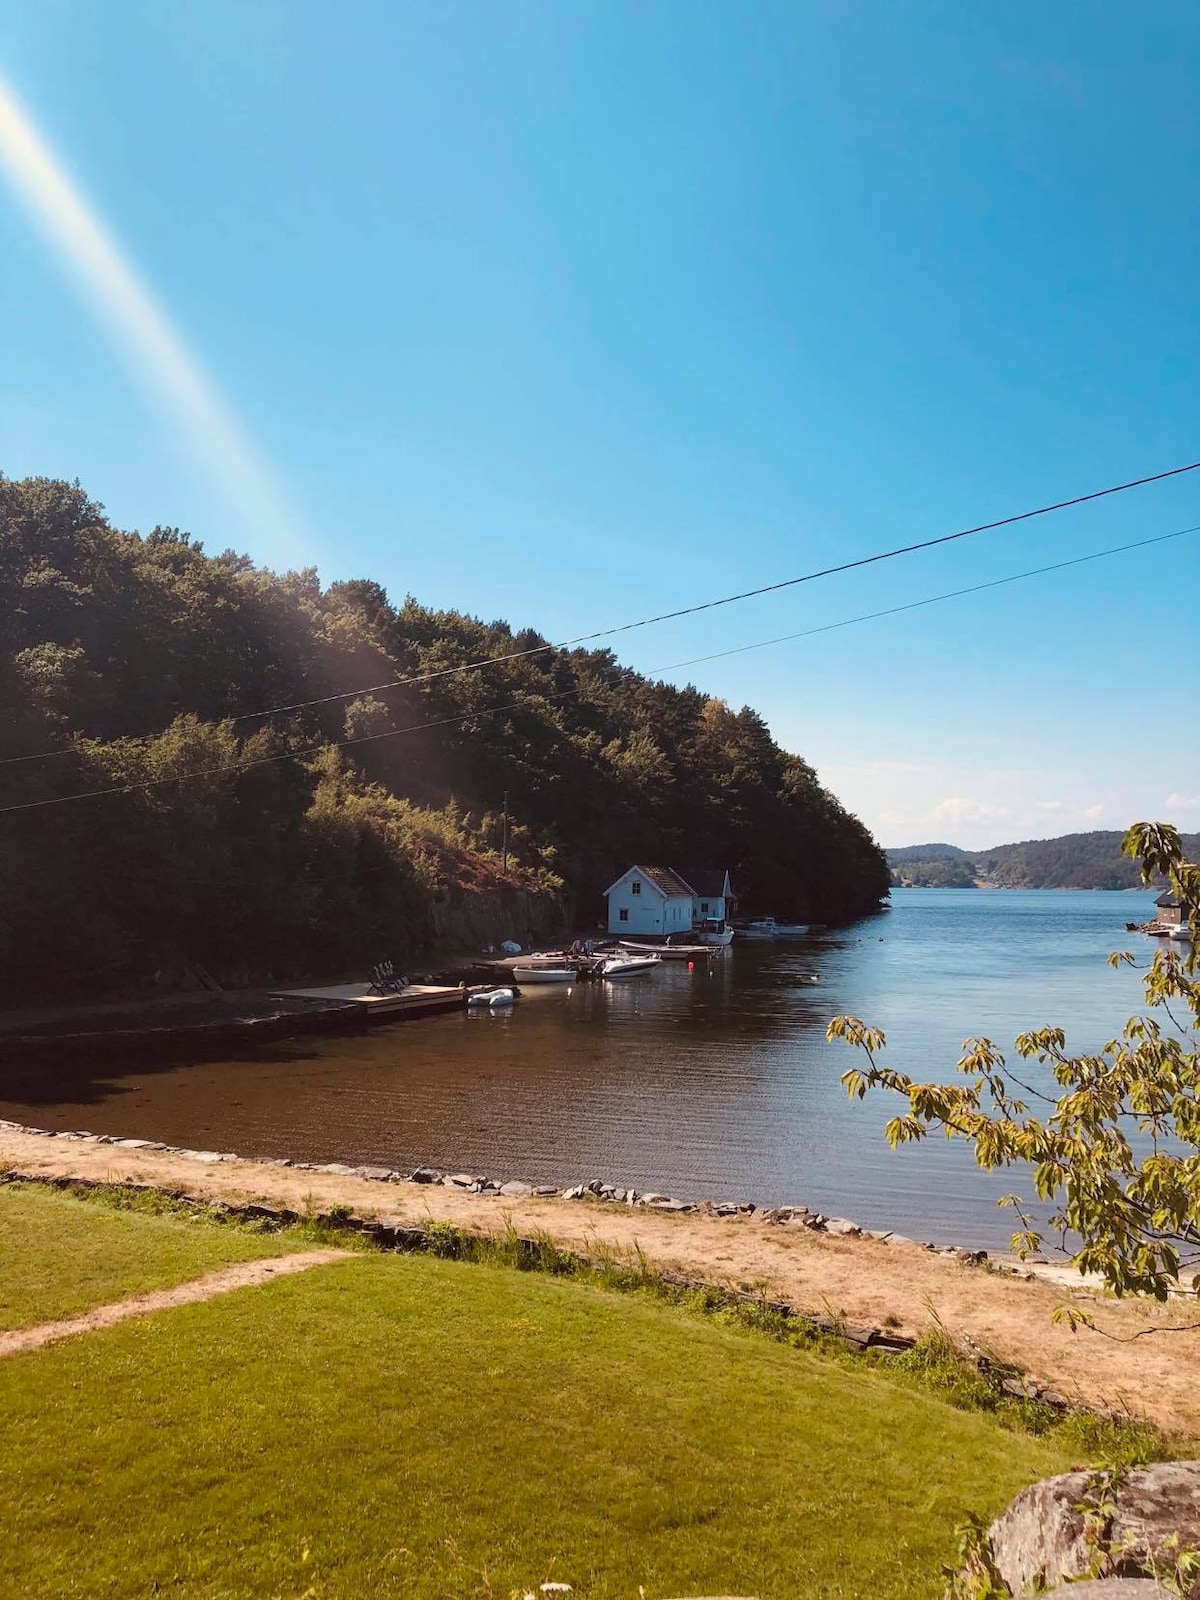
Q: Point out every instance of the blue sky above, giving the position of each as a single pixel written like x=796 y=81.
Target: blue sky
x=572 y=313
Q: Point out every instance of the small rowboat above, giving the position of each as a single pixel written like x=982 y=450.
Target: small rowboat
x=544 y=974
x=494 y=998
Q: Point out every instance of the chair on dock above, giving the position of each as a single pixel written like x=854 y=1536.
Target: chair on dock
x=386 y=980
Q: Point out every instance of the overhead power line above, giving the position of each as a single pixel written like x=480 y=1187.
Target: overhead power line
x=683 y=611
x=569 y=694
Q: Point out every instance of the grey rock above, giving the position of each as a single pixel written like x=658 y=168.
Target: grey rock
x=338 y=1168
x=514 y=1189
x=843 y=1226
x=544 y=1189
x=425 y=1175
x=459 y=1180
x=899 y=1238
x=1043 y=1537
x=207 y=1156
x=376 y=1174
x=576 y=1193
x=665 y=1203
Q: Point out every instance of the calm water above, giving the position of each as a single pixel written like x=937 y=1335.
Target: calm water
x=716 y=1083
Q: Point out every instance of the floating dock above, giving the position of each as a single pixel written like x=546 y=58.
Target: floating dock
x=418 y=999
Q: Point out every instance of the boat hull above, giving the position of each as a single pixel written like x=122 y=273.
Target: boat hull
x=544 y=974
x=616 y=970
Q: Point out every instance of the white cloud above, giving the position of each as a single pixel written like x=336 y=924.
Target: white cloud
x=1183 y=805
x=976 y=807
x=961 y=811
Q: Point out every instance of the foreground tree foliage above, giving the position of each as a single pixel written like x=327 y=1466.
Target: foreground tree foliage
x=318 y=838
x=1114 y=1144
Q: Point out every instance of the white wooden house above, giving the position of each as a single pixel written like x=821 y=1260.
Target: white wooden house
x=650 y=900
x=661 y=901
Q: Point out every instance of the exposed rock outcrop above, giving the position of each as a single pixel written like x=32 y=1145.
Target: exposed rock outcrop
x=1079 y=1525
x=473 y=919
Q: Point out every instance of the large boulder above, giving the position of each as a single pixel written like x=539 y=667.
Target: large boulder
x=1085 y=1525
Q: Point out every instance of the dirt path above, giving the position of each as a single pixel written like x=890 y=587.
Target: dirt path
x=245 y=1275
x=863 y=1279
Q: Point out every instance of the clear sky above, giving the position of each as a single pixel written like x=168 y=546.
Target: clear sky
x=575 y=312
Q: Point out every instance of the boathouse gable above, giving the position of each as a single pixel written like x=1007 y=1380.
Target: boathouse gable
x=649 y=900
x=713 y=896
x=1170 y=910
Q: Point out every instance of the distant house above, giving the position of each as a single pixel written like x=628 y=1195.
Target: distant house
x=714 y=897
x=1171 y=912
x=661 y=901
x=649 y=900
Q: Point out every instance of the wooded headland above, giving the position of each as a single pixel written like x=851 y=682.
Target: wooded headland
x=145 y=676
x=1073 y=861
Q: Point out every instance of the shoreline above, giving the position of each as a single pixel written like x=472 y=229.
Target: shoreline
x=864 y=1279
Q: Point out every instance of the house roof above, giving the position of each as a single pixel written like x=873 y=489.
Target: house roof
x=671 y=884
x=1169 y=898
x=709 y=882
x=668 y=883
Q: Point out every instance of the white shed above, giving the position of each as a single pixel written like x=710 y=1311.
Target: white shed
x=650 y=900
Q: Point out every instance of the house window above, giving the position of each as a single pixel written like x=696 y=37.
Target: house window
x=623 y=914
x=635 y=887
x=704 y=907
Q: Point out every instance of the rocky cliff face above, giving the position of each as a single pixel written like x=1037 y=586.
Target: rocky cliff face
x=471 y=919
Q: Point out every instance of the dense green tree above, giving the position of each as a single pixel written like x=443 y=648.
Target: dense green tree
x=316 y=836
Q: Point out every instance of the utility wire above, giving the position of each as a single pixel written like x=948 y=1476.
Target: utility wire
x=569 y=694
x=684 y=611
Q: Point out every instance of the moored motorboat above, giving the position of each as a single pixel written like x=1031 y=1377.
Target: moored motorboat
x=768 y=928
x=629 y=966
x=524 y=974
x=722 y=938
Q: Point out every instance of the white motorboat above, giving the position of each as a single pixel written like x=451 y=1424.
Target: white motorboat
x=768 y=928
x=544 y=974
x=721 y=937
x=629 y=966
x=495 y=998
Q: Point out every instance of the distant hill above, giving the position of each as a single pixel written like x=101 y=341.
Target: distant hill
x=1073 y=861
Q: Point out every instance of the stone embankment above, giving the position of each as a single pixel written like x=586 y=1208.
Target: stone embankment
x=877 y=1289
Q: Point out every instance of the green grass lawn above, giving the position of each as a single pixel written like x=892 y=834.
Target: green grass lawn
x=427 y=1428
x=60 y=1256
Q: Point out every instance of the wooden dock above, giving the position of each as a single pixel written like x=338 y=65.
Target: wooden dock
x=418 y=999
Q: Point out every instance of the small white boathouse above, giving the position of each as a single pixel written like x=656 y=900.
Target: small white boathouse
x=650 y=900
x=661 y=901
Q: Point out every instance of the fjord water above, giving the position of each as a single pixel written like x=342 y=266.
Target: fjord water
x=716 y=1083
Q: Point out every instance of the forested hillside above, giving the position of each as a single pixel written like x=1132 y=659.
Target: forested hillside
x=320 y=837
x=1074 y=861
